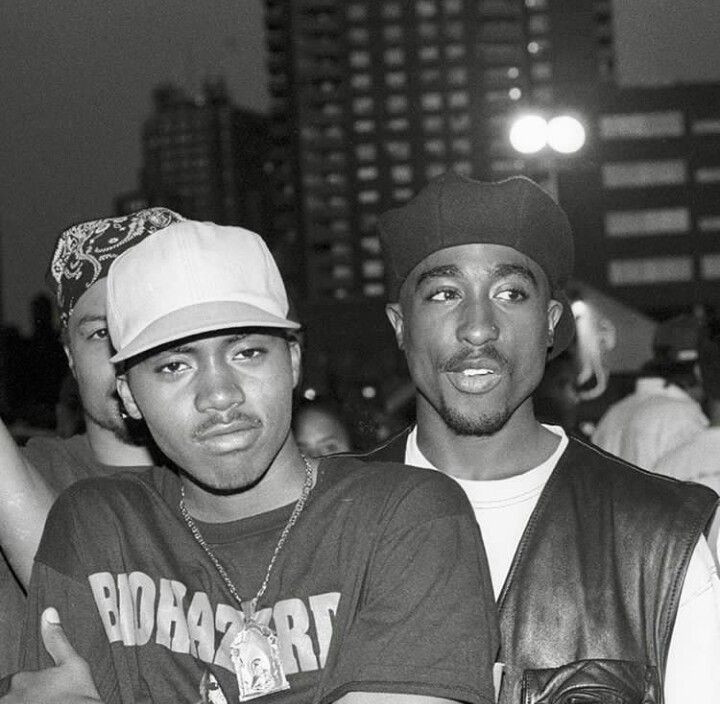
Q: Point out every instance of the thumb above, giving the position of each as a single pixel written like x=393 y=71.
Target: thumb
x=54 y=638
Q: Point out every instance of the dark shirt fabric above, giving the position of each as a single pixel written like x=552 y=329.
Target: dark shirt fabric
x=595 y=582
x=382 y=586
x=61 y=462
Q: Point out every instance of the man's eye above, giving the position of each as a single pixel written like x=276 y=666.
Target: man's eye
x=250 y=353
x=444 y=294
x=99 y=334
x=172 y=367
x=512 y=294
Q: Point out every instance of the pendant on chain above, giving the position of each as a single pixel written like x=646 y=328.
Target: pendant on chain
x=255 y=655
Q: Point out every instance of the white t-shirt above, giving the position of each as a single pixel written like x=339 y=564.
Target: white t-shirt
x=503 y=507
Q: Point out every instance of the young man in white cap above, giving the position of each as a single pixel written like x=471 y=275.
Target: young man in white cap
x=604 y=580
x=32 y=477
x=249 y=570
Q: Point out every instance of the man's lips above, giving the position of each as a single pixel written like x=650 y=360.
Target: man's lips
x=475 y=375
x=219 y=430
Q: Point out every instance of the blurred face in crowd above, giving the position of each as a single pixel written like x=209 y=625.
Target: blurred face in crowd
x=475 y=322
x=219 y=406
x=319 y=432
x=88 y=349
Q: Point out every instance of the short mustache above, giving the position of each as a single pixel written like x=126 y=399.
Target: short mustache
x=220 y=419
x=455 y=362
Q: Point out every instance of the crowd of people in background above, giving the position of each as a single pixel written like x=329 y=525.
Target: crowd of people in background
x=233 y=538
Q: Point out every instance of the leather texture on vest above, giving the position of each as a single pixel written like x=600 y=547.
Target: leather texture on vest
x=600 y=567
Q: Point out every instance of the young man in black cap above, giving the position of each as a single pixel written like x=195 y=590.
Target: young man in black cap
x=249 y=571
x=34 y=476
x=602 y=573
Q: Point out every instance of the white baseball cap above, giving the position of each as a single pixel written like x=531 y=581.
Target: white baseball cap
x=189 y=278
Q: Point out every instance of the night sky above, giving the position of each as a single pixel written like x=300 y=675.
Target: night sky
x=77 y=76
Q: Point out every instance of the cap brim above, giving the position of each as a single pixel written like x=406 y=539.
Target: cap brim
x=565 y=329
x=198 y=319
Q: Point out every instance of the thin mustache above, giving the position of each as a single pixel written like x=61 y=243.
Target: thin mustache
x=459 y=358
x=216 y=421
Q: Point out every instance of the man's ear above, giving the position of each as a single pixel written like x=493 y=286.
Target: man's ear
x=295 y=360
x=127 y=397
x=70 y=358
x=394 y=314
x=554 y=313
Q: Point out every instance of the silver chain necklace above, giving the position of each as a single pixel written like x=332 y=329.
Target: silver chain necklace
x=299 y=506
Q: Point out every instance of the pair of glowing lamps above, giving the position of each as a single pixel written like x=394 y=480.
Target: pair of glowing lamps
x=530 y=134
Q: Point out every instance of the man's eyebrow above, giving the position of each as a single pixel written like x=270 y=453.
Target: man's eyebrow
x=501 y=271
x=187 y=347
x=437 y=272
x=85 y=319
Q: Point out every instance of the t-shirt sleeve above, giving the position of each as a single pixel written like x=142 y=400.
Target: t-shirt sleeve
x=425 y=620
x=73 y=599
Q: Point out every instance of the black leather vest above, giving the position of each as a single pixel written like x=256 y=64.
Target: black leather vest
x=593 y=589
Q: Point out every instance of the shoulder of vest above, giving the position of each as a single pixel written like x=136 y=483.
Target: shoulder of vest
x=392 y=450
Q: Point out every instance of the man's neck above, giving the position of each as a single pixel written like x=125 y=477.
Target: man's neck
x=113 y=451
x=282 y=484
x=521 y=444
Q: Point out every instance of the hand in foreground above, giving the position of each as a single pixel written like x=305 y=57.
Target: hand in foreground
x=68 y=682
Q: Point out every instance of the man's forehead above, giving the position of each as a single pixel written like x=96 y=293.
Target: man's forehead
x=474 y=259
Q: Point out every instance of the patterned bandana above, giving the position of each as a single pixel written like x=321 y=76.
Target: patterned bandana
x=84 y=252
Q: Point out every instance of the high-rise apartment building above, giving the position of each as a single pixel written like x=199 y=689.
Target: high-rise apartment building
x=371 y=99
x=206 y=158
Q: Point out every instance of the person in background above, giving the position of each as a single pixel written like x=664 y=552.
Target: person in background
x=697 y=459
x=664 y=410
x=603 y=577
x=33 y=477
x=319 y=429
x=301 y=580
x=556 y=398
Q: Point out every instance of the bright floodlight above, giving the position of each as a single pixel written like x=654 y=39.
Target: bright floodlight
x=528 y=134
x=565 y=134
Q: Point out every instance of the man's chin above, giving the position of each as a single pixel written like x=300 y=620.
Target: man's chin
x=474 y=425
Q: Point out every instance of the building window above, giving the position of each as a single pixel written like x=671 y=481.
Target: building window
x=658 y=221
x=709 y=223
x=393 y=33
x=398 y=150
x=426 y=8
x=367 y=173
x=357 y=11
x=391 y=10
x=373 y=269
x=640 y=174
x=460 y=122
x=649 y=270
x=431 y=101
x=402 y=194
x=430 y=75
x=394 y=56
x=454 y=30
x=706 y=126
x=374 y=289
x=452 y=7
x=429 y=53
x=428 y=30
x=433 y=170
x=366 y=152
x=708 y=174
x=397 y=124
x=364 y=126
x=359 y=59
x=454 y=51
x=538 y=24
x=461 y=146
x=459 y=99
x=342 y=272
x=710 y=266
x=436 y=147
x=647 y=125
x=358 y=35
x=464 y=168
x=362 y=106
x=396 y=103
x=396 y=79
x=366 y=197
x=401 y=173
x=371 y=245
x=541 y=71
x=433 y=123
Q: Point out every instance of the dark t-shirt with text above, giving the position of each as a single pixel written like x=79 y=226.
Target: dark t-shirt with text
x=382 y=586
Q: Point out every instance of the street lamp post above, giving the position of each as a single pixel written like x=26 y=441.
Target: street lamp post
x=532 y=133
